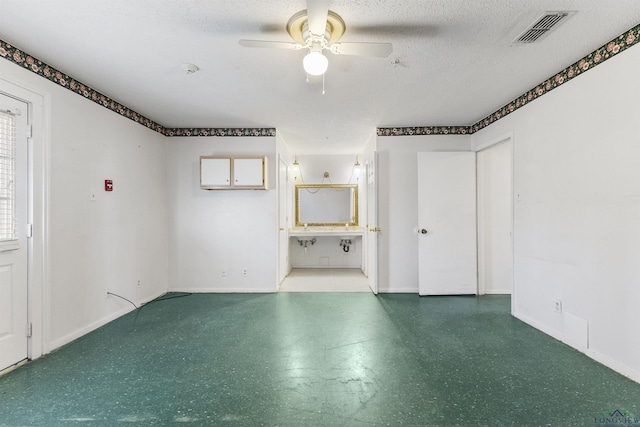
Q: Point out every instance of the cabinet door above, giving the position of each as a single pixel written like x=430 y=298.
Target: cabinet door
x=215 y=173
x=248 y=172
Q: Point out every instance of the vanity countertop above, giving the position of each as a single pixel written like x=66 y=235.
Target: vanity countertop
x=326 y=231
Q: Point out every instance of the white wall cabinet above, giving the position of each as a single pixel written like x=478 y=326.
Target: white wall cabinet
x=215 y=172
x=233 y=173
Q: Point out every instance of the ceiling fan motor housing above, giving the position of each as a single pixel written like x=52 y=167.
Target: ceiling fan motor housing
x=298 y=29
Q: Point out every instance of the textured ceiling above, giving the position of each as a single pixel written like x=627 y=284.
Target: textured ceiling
x=453 y=62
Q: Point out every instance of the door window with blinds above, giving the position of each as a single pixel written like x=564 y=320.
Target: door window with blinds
x=7 y=177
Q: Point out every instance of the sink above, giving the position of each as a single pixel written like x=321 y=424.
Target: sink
x=342 y=232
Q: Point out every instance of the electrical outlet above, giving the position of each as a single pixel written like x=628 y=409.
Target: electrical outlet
x=138 y=283
x=223 y=273
x=244 y=271
x=558 y=306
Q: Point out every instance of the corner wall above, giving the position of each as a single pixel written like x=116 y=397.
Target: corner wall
x=104 y=245
x=577 y=210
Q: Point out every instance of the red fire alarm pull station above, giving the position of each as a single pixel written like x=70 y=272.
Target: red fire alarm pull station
x=108 y=185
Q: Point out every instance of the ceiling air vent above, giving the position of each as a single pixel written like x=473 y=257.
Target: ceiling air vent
x=542 y=27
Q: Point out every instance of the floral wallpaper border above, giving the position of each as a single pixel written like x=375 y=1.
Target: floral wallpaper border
x=220 y=132
x=609 y=50
x=29 y=62
x=614 y=47
x=424 y=130
x=17 y=56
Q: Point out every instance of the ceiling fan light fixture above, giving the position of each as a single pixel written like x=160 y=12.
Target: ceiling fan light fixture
x=315 y=63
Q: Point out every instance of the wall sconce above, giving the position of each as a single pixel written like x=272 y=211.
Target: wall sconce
x=295 y=167
x=357 y=168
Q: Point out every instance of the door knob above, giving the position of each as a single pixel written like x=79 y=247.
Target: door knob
x=423 y=231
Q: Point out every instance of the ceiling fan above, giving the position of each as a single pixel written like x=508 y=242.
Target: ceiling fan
x=317 y=29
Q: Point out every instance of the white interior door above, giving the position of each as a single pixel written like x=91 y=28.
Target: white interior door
x=13 y=231
x=372 y=228
x=495 y=219
x=283 y=220
x=447 y=223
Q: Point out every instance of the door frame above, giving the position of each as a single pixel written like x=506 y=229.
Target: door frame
x=483 y=219
x=283 y=197
x=505 y=138
x=371 y=230
x=38 y=273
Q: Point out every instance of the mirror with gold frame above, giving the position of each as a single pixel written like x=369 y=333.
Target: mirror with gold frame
x=326 y=204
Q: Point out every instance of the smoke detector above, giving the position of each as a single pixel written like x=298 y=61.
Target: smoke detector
x=189 y=68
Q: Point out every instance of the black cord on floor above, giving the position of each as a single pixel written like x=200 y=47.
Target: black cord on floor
x=168 y=296
x=120 y=296
x=161 y=298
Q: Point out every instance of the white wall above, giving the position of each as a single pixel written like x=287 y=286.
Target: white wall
x=577 y=210
x=398 y=205
x=211 y=232
x=109 y=243
x=339 y=166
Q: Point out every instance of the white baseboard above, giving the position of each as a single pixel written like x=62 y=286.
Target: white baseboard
x=539 y=326
x=497 y=292
x=224 y=290
x=395 y=290
x=616 y=366
x=97 y=324
x=89 y=328
x=598 y=357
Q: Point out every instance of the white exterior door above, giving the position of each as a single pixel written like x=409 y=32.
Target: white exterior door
x=447 y=223
x=13 y=231
x=372 y=228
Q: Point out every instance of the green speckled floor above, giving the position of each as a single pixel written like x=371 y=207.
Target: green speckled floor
x=315 y=359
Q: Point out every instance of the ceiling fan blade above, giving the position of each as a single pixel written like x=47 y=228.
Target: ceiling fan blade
x=379 y=50
x=270 y=44
x=317 y=11
x=395 y=30
x=272 y=28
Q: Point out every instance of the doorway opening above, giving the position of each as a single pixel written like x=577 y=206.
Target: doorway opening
x=325 y=280
x=325 y=245
x=495 y=218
